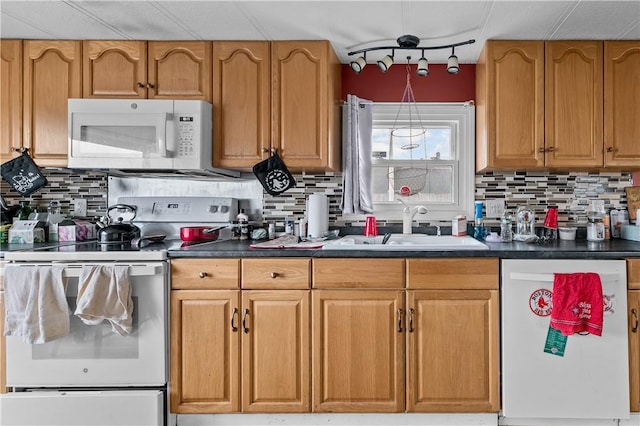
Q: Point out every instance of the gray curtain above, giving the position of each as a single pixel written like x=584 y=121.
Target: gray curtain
x=356 y=156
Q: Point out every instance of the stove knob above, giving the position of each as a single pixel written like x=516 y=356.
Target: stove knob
x=213 y=209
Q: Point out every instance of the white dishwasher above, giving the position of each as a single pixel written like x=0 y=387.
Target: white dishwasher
x=580 y=377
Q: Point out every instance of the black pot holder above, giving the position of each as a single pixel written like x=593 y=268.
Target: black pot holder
x=23 y=174
x=274 y=175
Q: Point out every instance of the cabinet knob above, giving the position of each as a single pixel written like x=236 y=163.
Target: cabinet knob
x=610 y=149
x=150 y=85
x=551 y=149
x=140 y=85
x=541 y=149
x=275 y=275
x=203 y=275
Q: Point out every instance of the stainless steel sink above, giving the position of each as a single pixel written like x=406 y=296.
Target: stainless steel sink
x=402 y=242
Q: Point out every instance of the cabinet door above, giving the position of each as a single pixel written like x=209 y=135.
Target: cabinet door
x=358 y=351
x=621 y=106
x=275 y=351
x=205 y=353
x=453 y=351
x=241 y=103
x=114 y=69
x=10 y=98
x=573 y=104
x=306 y=89
x=633 y=302
x=51 y=76
x=180 y=70
x=510 y=105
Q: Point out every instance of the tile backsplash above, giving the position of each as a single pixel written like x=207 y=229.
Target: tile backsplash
x=570 y=192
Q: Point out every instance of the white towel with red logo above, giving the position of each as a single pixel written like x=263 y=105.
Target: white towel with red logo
x=104 y=293
x=36 y=307
x=578 y=305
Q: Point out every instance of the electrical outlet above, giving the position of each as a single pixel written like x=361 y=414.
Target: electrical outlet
x=495 y=208
x=80 y=207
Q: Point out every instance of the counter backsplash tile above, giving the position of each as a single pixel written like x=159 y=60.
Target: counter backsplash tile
x=570 y=192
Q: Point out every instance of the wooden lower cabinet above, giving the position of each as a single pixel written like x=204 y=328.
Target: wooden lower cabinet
x=452 y=340
x=235 y=350
x=633 y=303
x=633 y=309
x=358 y=347
x=238 y=350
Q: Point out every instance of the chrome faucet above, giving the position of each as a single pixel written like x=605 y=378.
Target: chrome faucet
x=408 y=213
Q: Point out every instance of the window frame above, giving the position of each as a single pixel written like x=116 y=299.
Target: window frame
x=463 y=150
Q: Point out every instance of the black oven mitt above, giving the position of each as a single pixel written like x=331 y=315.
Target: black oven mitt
x=23 y=175
x=274 y=175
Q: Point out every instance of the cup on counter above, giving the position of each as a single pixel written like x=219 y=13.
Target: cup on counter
x=567 y=233
x=370 y=227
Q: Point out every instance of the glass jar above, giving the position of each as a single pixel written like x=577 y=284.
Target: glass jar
x=595 y=227
x=506 y=233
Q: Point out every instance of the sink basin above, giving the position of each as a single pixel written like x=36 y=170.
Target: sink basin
x=401 y=242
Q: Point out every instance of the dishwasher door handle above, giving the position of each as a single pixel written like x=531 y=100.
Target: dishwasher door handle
x=531 y=276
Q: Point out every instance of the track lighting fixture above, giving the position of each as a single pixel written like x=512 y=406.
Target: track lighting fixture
x=408 y=42
x=452 y=63
x=358 y=65
x=385 y=63
x=423 y=66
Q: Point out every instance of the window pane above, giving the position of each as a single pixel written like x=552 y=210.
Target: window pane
x=412 y=144
x=427 y=183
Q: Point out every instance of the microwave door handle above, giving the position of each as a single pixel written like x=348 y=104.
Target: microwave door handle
x=162 y=138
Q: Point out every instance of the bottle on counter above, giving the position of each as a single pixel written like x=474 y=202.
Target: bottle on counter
x=243 y=223
x=54 y=217
x=479 y=232
x=506 y=233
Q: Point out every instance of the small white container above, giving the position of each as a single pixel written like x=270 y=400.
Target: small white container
x=568 y=233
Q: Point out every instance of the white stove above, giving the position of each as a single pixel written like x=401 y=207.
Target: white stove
x=166 y=215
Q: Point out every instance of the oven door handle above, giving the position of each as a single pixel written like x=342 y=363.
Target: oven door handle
x=73 y=271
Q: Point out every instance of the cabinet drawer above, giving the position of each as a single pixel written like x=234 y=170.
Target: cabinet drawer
x=358 y=273
x=275 y=273
x=205 y=273
x=454 y=274
x=633 y=274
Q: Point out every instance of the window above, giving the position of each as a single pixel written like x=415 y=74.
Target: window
x=433 y=167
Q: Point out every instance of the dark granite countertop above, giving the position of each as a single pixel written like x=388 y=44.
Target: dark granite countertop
x=579 y=249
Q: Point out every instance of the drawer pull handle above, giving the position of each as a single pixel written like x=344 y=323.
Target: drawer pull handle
x=203 y=275
x=234 y=314
x=275 y=275
x=399 y=320
x=634 y=312
x=245 y=315
x=411 y=311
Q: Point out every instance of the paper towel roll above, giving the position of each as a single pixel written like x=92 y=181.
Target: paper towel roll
x=317 y=215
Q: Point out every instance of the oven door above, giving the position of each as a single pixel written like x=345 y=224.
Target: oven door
x=94 y=355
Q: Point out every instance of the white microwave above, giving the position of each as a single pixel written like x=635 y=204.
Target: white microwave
x=149 y=135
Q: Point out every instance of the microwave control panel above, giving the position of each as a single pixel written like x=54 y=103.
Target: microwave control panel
x=186 y=131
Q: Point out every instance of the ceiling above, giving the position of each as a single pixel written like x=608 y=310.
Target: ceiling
x=349 y=25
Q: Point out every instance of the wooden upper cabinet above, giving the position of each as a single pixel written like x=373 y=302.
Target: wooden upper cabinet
x=277 y=96
x=114 y=69
x=510 y=105
x=140 y=69
x=305 y=108
x=574 y=103
x=180 y=70
x=241 y=102
x=10 y=98
x=621 y=105
x=52 y=74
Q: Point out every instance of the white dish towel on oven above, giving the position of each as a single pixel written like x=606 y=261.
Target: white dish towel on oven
x=35 y=303
x=104 y=293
